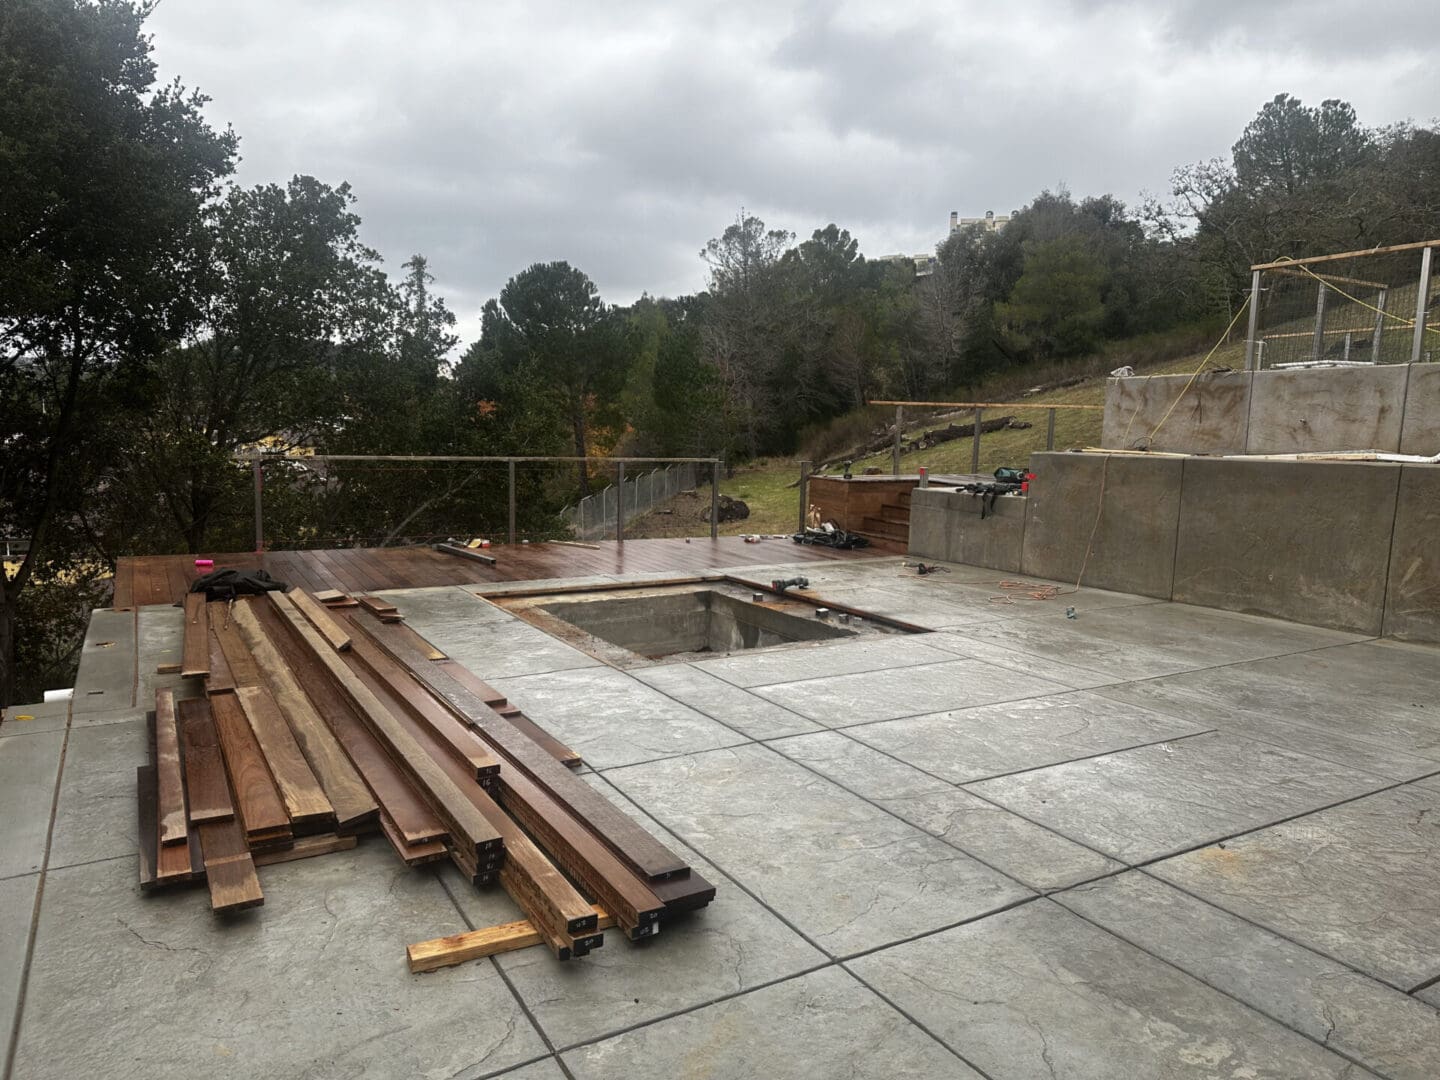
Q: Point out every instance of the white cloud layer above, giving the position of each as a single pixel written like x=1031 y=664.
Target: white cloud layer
x=622 y=136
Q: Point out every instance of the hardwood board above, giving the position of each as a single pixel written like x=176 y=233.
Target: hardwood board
x=455 y=551
x=527 y=727
x=467 y=827
x=174 y=669
x=430 y=651
x=416 y=854
x=229 y=868
x=453 y=735
x=170 y=793
x=221 y=677
x=381 y=608
x=243 y=669
x=299 y=788
x=306 y=847
x=527 y=874
x=327 y=595
x=411 y=817
x=195 y=646
x=262 y=812
x=206 y=787
x=147 y=802
x=684 y=894
x=455 y=949
x=321 y=619
x=636 y=847
x=353 y=804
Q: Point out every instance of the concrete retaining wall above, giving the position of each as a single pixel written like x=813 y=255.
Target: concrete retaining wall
x=1349 y=545
x=1393 y=408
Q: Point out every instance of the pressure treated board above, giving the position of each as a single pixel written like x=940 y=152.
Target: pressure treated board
x=442 y=952
x=354 y=805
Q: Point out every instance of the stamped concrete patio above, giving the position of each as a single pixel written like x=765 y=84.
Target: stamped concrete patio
x=1148 y=841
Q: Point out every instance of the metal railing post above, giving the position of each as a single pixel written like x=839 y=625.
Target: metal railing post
x=1375 y=339
x=1250 y=358
x=1050 y=430
x=1422 y=296
x=259 y=511
x=804 y=493
x=620 y=503
x=975 y=445
x=895 y=450
x=510 y=468
x=715 y=499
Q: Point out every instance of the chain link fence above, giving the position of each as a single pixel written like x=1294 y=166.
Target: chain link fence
x=593 y=517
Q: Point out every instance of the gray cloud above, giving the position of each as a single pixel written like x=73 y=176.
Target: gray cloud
x=622 y=136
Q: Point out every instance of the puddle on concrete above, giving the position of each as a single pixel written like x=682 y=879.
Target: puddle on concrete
x=642 y=625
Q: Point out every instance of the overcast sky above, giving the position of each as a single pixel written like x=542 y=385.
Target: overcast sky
x=621 y=136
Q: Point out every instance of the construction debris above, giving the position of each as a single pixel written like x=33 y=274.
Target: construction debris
x=322 y=722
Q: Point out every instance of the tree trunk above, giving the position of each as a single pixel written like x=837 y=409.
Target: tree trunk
x=8 y=619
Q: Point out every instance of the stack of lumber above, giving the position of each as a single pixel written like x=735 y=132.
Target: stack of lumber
x=326 y=719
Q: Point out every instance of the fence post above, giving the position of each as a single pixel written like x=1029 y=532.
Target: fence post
x=1250 y=359
x=804 y=493
x=1379 y=326
x=620 y=503
x=1421 y=296
x=259 y=512
x=510 y=468
x=714 y=498
x=975 y=444
x=1050 y=430
x=1317 y=348
x=895 y=450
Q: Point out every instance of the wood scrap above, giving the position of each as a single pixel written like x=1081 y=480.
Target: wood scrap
x=465 y=553
x=195 y=647
x=381 y=609
x=325 y=596
x=173 y=668
x=455 y=949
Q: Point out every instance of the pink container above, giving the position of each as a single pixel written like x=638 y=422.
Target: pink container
x=204 y=564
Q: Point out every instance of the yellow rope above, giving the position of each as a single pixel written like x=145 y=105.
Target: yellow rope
x=1408 y=323
x=1196 y=374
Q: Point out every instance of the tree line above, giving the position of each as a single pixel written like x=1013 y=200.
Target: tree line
x=157 y=319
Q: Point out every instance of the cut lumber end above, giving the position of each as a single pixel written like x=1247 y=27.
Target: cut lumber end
x=474 y=944
x=167 y=669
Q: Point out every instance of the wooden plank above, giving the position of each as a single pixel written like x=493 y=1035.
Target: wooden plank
x=430 y=651
x=221 y=678
x=299 y=788
x=147 y=801
x=170 y=791
x=542 y=892
x=174 y=669
x=195 y=650
x=684 y=894
x=496 y=700
x=380 y=608
x=467 y=827
x=206 y=787
x=229 y=871
x=413 y=854
x=305 y=848
x=321 y=619
x=412 y=819
x=453 y=735
x=474 y=944
x=325 y=596
x=1313 y=259
x=465 y=553
x=262 y=812
x=353 y=804
x=636 y=847
x=243 y=670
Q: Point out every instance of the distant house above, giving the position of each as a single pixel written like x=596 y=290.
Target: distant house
x=924 y=263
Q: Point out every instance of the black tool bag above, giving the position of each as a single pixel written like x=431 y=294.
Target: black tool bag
x=228 y=584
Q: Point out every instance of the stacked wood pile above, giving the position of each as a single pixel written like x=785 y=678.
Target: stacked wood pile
x=322 y=721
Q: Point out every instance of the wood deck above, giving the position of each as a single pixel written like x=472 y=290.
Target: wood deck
x=164 y=579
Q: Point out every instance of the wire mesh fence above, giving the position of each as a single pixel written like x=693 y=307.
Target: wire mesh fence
x=1359 y=308
x=594 y=517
